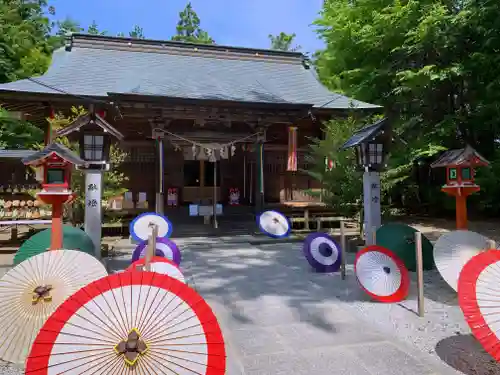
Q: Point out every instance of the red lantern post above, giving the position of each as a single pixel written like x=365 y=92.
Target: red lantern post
x=56 y=163
x=460 y=175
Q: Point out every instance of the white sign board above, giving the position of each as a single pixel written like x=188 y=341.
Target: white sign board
x=93 y=210
x=193 y=210
x=371 y=200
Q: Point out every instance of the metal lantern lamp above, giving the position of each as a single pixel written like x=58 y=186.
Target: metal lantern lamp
x=371 y=146
x=94 y=148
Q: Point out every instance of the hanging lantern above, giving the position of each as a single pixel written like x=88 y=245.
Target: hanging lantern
x=292 y=149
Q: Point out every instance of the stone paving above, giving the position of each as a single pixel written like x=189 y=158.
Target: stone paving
x=280 y=318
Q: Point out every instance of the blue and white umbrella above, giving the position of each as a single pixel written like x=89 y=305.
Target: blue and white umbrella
x=274 y=224
x=141 y=226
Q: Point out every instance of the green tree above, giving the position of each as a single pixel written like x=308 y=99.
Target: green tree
x=94 y=29
x=283 y=42
x=137 y=33
x=188 y=28
x=434 y=66
x=68 y=25
x=24 y=39
x=342 y=185
x=17 y=133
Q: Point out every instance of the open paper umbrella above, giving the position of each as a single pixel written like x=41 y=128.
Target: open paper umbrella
x=32 y=290
x=274 y=224
x=130 y=323
x=141 y=226
x=453 y=250
x=164 y=248
x=479 y=299
x=400 y=239
x=73 y=239
x=160 y=265
x=322 y=252
x=381 y=274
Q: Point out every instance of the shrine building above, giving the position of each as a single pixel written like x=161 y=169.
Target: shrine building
x=241 y=116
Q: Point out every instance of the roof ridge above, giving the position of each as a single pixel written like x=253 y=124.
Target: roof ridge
x=73 y=39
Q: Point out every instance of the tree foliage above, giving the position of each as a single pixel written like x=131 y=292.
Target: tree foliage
x=342 y=185
x=93 y=29
x=432 y=64
x=24 y=39
x=188 y=28
x=137 y=33
x=17 y=134
x=283 y=42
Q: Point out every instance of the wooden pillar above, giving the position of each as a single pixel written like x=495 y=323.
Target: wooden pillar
x=56 y=239
x=160 y=193
x=259 y=173
x=461 y=211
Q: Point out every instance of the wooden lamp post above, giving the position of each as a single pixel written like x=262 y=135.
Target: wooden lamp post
x=55 y=163
x=460 y=175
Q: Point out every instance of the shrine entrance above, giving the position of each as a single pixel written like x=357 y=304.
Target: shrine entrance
x=199 y=181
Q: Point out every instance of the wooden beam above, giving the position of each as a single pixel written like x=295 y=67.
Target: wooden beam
x=140 y=110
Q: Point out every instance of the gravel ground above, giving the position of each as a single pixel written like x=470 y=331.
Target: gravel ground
x=442 y=332
x=10 y=369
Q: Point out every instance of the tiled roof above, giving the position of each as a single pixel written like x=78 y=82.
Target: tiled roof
x=56 y=148
x=365 y=134
x=97 y=65
x=15 y=154
x=463 y=156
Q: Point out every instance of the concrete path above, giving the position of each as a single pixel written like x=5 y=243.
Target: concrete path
x=280 y=318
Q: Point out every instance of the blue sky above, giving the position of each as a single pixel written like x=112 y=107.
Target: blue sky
x=245 y=23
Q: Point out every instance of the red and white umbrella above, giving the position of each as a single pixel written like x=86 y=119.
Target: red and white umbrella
x=479 y=299
x=160 y=265
x=381 y=274
x=34 y=289
x=130 y=323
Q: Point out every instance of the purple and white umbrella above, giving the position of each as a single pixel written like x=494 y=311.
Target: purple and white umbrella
x=164 y=248
x=322 y=252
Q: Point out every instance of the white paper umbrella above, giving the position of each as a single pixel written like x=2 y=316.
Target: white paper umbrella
x=160 y=265
x=130 y=323
x=32 y=290
x=274 y=224
x=141 y=226
x=382 y=274
x=453 y=250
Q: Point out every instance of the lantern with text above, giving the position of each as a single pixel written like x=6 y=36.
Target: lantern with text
x=95 y=136
x=371 y=145
x=94 y=139
x=55 y=162
x=460 y=175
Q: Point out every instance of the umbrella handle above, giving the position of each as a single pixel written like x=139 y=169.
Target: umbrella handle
x=151 y=249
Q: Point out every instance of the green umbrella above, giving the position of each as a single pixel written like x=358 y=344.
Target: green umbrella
x=400 y=239
x=73 y=239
